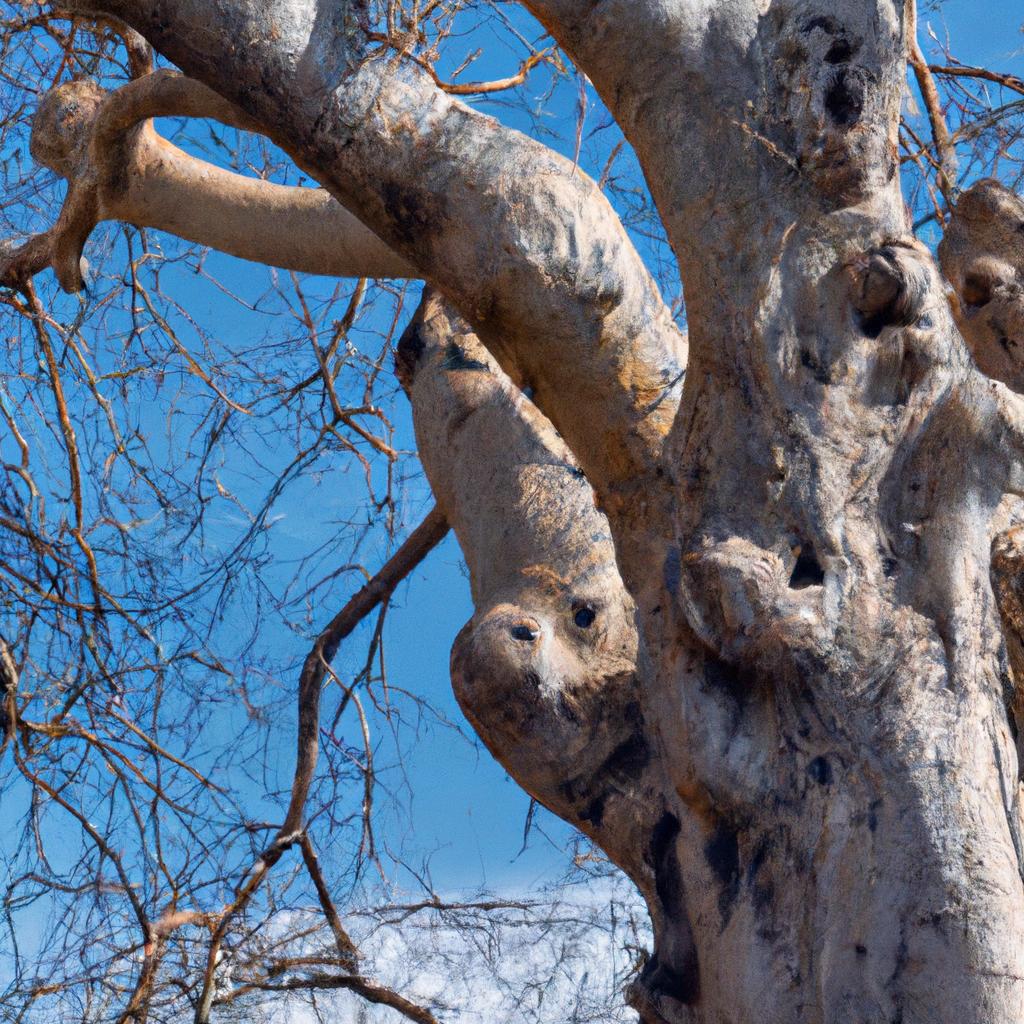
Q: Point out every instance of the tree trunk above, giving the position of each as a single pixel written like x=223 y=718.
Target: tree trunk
x=769 y=677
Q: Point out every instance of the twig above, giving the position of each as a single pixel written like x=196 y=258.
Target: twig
x=417 y=546
x=947 y=171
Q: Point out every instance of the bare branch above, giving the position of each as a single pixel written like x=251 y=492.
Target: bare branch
x=378 y=590
x=485 y=88
x=368 y=990
x=416 y=547
x=983 y=74
x=118 y=168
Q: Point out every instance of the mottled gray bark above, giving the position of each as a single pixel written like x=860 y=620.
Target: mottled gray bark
x=770 y=677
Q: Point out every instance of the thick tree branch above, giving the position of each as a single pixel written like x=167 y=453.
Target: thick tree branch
x=120 y=169
x=525 y=246
x=546 y=670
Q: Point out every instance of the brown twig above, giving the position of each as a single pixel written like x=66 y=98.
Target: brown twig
x=967 y=71
x=417 y=546
x=482 y=88
x=947 y=172
x=370 y=991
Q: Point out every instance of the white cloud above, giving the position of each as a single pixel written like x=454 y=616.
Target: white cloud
x=563 y=963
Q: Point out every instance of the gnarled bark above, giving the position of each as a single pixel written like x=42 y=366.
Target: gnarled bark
x=546 y=670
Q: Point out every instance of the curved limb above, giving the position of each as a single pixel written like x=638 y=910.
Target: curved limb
x=525 y=246
x=546 y=670
x=118 y=168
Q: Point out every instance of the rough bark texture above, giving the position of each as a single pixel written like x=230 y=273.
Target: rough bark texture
x=982 y=255
x=769 y=677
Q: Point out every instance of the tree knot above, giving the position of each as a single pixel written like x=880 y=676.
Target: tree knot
x=889 y=285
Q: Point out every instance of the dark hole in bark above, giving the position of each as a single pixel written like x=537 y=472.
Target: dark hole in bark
x=808 y=571
x=977 y=291
x=667 y=881
x=628 y=759
x=839 y=51
x=724 y=677
x=525 y=634
x=810 y=362
x=584 y=616
x=822 y=21
x=455 y=358
x=683 y=984
x=873 y=816
x=873 y=325
x=633 y=714
x=820 y=771
x=844 y=100
x=722 y=852
x=594 y=811
x=407 y=355
x=860 y=950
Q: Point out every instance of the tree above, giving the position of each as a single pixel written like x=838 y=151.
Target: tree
x=748 y=603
